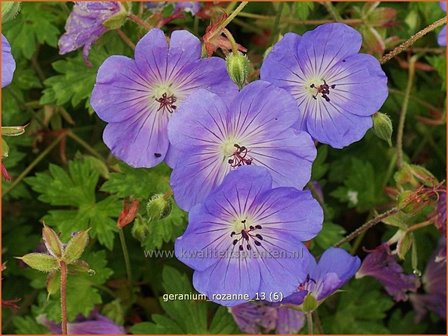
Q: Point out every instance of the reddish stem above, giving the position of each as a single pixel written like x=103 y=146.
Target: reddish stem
x=139 y=21
x=64 y=297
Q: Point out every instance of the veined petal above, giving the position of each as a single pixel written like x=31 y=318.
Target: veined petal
x=288 y=156
x=151 y=56
x=184 y=43
x=141 y=140
x=323 y=47
x=234 y=276
x=361 y=85
x=261 y=108
x=120 y=92
x=441 y=37
x=291 y=211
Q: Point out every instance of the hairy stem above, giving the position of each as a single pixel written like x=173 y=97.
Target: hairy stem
x=139 y=21
x=275 y=26
x=229 y=19
x=127 y=261
x=371 y=223
x=64 y=297
x=309 y=323
x=299 y=22
x=34 y=163
x=125 y=38
x=229 y=36
x=405 y=45
x=404 y=110
x=84 y=144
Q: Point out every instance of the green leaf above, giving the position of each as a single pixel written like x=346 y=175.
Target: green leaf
x=80 y=180
x=140 y=183
x=166 y=229
x=33 y=26
x=82 y=295
x=360 y=307
x=26 y=325
x=184 y=316
x=320 y=168
x=362 y=187
x=329 y=235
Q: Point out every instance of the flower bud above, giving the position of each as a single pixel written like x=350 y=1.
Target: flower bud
x=413 y=176
x=382 y=126
x=158 y=207
x=52 y=242
x=76 y=247
x=9 y=10
x=140 y=229
x=238 y=68
x=309 y=304
x=117 y=20
x=40 y=261
x=5 y=149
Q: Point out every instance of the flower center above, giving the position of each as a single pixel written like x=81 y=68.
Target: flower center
x=244 y=234
x=239 y=157
x=320 y=88
x=167 y=102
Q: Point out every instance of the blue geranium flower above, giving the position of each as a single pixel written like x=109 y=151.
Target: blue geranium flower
x=138 y=96
x=246 y=238
x=334 y=269
x=213 y=135
x=8 y=63
x=336 y=88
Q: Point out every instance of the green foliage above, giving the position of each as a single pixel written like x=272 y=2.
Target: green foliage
x=184 y=316
x=361 y=187
x=26 y=325
x=85 y=210
x=361 y=308
x=35 y=25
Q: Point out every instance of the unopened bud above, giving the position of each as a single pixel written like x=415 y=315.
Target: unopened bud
x=117 y=20
x=5 y=149
x=140 y=229
x=309 y=303
x=40 y=261
x=158 y=207
x=413 y=176
x=52 y=242
x=9 y=10
x=76 y=247
x=238 y=68
x=382 y=126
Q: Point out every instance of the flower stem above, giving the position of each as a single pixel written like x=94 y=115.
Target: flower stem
x=139 y=21
x=275 y=26
x=125 y=38
x=404 y=110
x=229 y=19
x=126 y=260
x=371 y=223
x=330 y=8
x=317 y=322
x=412 y=40
x=309 y=323
x=229 y=36
x=64 y=297
x=34 y=163
x=84 y=144
x=299 y=22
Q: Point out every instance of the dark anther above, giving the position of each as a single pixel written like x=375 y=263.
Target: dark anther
x=259 y=236
x=157 y=155
x=241 y=247
x=167 y=102
x=251 y=227
x=257 y=242
x=258 y=227
x=232 y=234
x=248 y=247
x=235 y=241
x=239 y=157
x=323 y=89
x=245 y=235
x=243 y=221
